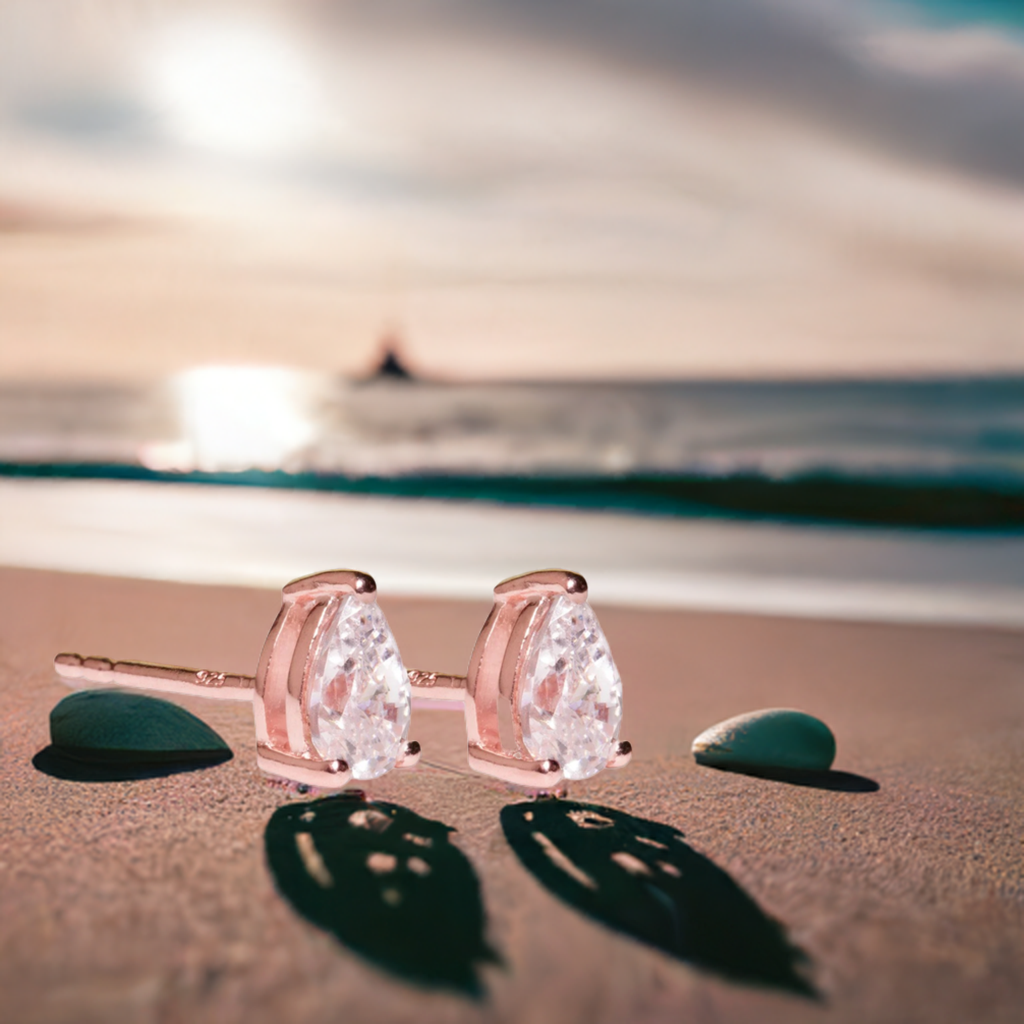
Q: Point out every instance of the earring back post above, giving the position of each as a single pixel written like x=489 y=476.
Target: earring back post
x=437 y=691
x=140 y=675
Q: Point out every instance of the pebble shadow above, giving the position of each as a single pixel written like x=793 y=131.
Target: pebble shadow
x=387 y=884
x=844 y=782
x=52 y=761
x=640 y=878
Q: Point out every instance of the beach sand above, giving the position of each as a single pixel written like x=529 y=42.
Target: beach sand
x=151 y=900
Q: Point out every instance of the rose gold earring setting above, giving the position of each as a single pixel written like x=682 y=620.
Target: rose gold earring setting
x=542 y=698
x=331 y=697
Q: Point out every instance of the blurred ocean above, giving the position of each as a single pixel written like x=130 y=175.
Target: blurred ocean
x=939 y=453
x=1007 y=13
x=773 y=193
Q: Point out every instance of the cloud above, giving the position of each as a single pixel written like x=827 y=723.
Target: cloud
x=815 y=59
x=870 y=73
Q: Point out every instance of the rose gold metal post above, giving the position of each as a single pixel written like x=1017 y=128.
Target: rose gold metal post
x=162 y=678
x=434 y=690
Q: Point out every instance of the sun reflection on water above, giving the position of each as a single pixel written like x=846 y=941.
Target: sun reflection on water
x=234 y=418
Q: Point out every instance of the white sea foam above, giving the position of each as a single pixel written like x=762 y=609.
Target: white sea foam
x=263 y=538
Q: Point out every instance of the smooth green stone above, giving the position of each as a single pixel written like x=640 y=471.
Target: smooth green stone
x=772 y=738
x=114 y=727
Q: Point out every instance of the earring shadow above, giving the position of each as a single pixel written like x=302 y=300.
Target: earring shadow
x=387 y=884
x=639 y=877
x=844 y=782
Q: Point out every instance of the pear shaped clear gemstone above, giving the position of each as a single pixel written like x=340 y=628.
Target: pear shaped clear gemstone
x=570 y=693
x=358 y=691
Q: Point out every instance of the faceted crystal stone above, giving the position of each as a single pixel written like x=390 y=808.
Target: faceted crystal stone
x=358 y=691
x=570 y=693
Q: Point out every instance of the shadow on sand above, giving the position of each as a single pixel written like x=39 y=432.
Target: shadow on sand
x=116 y=736
x=387 y=884
x=52 y=761
x=639 y=877
x=844 y=782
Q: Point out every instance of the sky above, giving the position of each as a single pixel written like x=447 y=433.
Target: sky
x=510 y=188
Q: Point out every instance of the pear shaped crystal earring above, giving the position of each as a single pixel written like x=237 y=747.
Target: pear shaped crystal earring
x=543 y=698
x=331 y=697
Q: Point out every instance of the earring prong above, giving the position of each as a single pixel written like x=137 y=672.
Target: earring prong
x=333 y=581
x=334 y=774
x=623 y=755
x=519 y=771
x=543 y=581
x=411 y=756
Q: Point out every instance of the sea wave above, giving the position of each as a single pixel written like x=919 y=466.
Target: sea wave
x=945 y=454
x=933 y=503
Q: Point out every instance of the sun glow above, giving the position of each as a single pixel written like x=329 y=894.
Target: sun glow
x=233 y=87
x=234 y=418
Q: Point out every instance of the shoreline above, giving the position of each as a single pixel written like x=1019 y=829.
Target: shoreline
x=451 y=550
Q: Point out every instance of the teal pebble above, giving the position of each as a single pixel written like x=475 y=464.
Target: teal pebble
x=772 y=738
x=114 y=727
